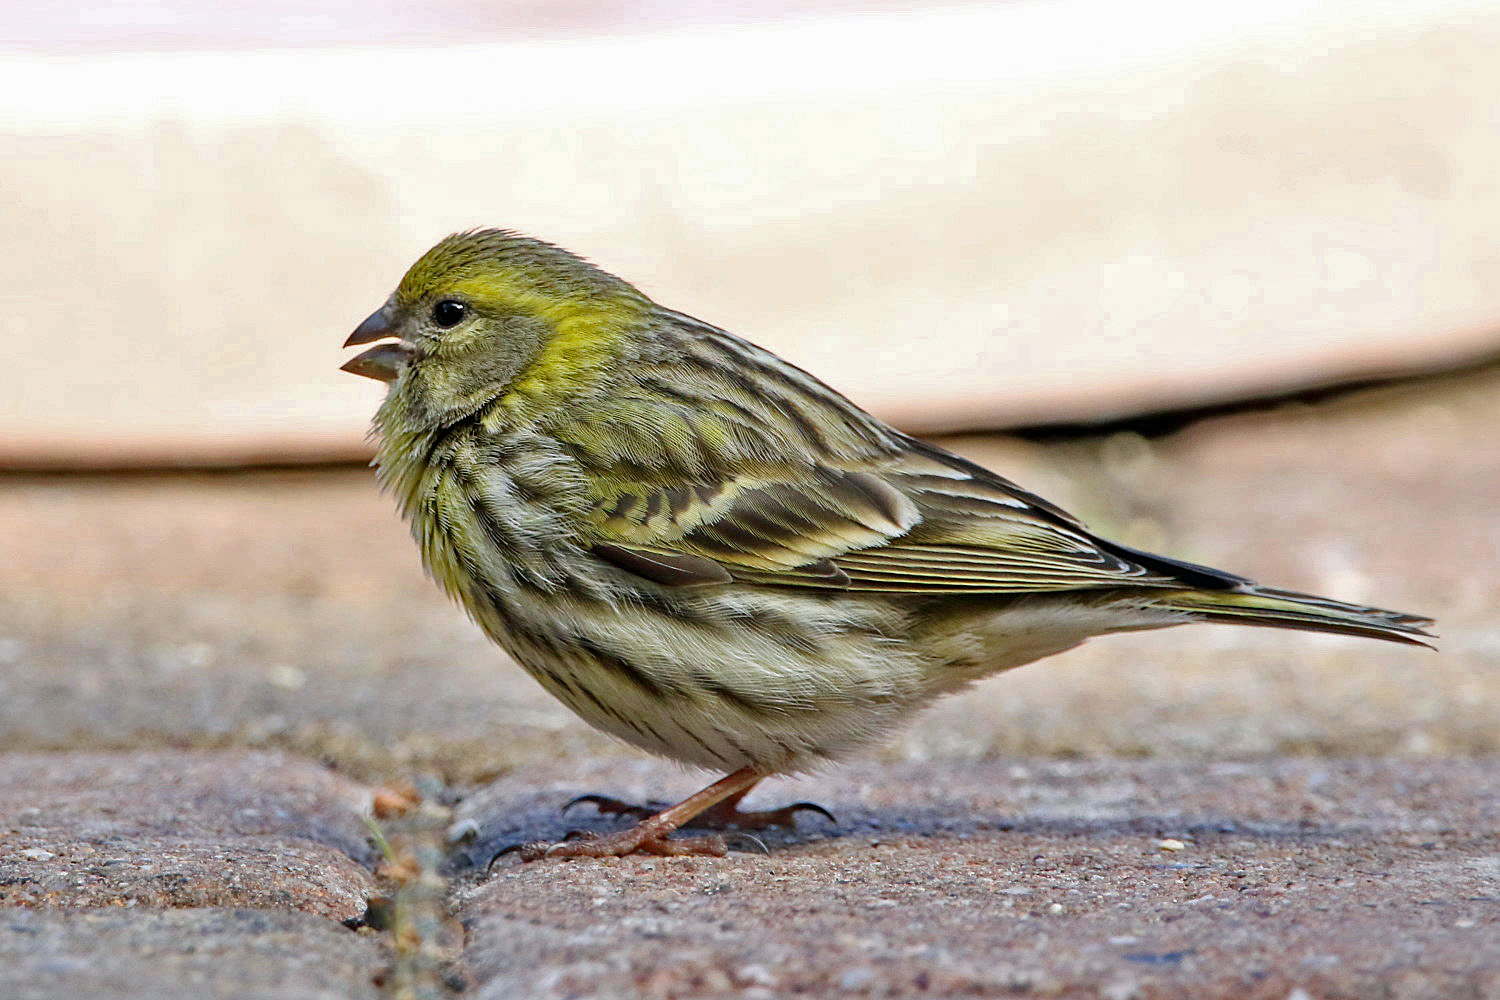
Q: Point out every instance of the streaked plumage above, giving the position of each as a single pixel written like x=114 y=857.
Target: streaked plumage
x=709 y=553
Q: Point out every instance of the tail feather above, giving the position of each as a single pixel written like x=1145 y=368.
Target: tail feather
x=1271 y=608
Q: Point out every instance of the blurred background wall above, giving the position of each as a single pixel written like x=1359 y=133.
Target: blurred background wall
x=967 y=216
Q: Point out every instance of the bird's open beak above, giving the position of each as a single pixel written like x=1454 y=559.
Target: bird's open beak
x=383 y=361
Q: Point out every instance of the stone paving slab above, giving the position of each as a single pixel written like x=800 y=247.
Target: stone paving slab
x=199 y=954
x=180 y=829
x=1121 y=880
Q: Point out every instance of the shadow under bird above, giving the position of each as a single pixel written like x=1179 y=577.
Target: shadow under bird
x=705 y=551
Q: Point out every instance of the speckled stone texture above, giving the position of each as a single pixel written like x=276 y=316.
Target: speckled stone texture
x=1347 y=879
x=178 y=829
x=201 y=954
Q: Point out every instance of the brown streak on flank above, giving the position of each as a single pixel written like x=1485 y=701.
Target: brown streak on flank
x=526 y=489
x=494 y=599
x=702 y=743
x=648 y=599
x=775 y=626
x=683 y=612
x=745 y=703
x=598 y=703
x=647 y=684
x=746 y=754
x=646 y=729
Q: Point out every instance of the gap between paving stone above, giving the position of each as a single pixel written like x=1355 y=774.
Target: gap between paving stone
x=186 y=873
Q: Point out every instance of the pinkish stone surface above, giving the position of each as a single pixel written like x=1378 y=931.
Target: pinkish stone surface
x=178 y=830
x=1240 y=881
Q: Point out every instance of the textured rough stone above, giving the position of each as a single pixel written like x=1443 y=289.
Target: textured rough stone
x=176 y=829
x=1348 y=879
x=203 y=954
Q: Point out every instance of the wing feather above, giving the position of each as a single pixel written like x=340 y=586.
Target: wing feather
x=862 y=531
x=848 y=503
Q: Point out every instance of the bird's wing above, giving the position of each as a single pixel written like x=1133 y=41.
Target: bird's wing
x=722 y=462
x=919 y=521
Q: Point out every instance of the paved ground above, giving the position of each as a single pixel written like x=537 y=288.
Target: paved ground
x=1112 y=879
x=1116 y=879
x=205 y=681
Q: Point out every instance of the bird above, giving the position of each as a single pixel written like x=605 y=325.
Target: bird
x=707 y=552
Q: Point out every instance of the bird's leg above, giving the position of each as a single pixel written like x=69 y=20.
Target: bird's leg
x=722 y=815
x=649 y=836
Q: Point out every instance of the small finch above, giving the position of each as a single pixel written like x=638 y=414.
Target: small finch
x=706 y=552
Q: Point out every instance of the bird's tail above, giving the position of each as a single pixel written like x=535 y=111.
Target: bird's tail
x=1256 y=605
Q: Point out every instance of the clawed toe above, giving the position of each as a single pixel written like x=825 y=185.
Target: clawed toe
x=638 y=839
x=610 y=806
x=634 y=841
x=530 y=851
x=787 y=815
x=733 y=818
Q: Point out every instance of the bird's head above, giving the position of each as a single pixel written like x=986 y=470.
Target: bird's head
x=487 y=313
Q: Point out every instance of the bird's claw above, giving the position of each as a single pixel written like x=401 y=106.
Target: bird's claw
x=610 y=806
x=796 y=807
x=742 y=835
x=531 y=850
x=760 y=819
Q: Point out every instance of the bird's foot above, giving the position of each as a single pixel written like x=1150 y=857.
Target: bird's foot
x=610 y=806
x=726 y=815
x=714 y=806
x=643 y=838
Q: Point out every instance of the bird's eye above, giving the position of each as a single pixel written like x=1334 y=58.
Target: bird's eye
x=449 y=313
